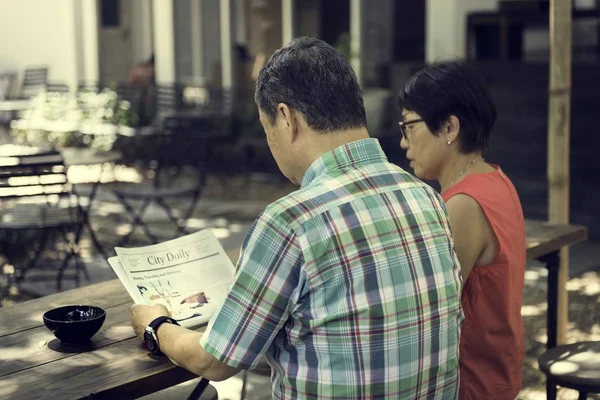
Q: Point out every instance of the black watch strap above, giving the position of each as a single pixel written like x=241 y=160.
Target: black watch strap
x=160 y=320
x=151 y=336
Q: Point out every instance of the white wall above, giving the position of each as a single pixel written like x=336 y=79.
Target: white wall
x=141 y=30
x=183 y=40
x=211 y=36
x=39 y=33
x=446 y=24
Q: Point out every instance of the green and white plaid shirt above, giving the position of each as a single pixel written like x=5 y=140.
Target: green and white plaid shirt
x=350 y=287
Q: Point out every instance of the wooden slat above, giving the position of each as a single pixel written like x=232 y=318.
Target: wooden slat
x=19 y=352
x=28 y=315
x=33 y=175
x=544 y=237
x=35 y=159
x=115 y=371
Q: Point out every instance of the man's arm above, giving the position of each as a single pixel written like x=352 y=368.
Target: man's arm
x=183 y=348
x=181 y=345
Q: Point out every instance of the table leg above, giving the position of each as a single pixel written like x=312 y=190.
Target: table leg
x=552 y=262
x=199 y=389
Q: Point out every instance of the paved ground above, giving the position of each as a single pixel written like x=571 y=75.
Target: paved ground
x=229 y=207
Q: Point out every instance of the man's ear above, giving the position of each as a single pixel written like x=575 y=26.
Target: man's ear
x=288 y=120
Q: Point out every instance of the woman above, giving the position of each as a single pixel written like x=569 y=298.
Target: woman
x=447 y=118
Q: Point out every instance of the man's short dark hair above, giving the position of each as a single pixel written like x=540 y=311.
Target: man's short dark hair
x=314 y=79
x=453 y=88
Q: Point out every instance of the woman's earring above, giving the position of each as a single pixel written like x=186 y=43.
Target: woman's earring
x=448 y=140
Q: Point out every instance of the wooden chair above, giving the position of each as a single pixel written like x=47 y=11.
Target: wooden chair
x=57 y=88
x=36 y=200
x=575 y=366
x=7 y=81
x=188 y=140
x=176 y=147
x=34 y=81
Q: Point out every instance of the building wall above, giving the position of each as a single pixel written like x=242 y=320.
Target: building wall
x=183 y=40
x=39 y=33
x=308 y=17
x=265 y=34
x=446 y=26
x=446 y=29
x=212 y=40
x=141 y=30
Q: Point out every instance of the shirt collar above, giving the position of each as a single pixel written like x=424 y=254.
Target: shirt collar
x=353 y=153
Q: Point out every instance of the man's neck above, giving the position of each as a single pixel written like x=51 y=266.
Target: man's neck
x=321 y=143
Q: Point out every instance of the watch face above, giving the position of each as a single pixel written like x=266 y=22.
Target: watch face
x=150 y=342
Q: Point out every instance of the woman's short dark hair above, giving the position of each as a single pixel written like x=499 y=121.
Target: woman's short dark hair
x=453 y=88
x=314 y=79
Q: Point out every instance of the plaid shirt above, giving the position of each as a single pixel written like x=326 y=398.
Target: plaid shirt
x=350 y=286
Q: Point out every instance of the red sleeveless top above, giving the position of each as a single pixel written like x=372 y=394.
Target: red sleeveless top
x=492 y=339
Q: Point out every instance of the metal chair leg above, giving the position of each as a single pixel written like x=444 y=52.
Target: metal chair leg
x=35 y=258
x=137 y=220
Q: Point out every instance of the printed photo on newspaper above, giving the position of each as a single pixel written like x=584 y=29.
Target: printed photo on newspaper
x=190 y=275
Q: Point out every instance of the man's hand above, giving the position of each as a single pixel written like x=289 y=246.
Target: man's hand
x=141 y=316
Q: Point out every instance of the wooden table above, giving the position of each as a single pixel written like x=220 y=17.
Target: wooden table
x=114 y=365
x=544 y=241
x=117 y=365
x=14 y=105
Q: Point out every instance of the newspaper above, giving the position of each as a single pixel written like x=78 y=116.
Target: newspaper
x=190 y=275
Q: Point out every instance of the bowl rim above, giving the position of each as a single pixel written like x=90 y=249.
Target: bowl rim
x=102 y=315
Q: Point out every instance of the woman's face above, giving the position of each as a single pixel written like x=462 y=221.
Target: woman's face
x=425 y=151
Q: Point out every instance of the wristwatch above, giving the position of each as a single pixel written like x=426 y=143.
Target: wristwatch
x=150 y=337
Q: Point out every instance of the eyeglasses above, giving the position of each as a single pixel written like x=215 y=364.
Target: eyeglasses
x=403 y=125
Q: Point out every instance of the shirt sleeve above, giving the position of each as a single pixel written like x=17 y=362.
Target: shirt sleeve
x=264 y=291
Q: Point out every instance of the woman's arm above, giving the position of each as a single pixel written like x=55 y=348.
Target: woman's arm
x=470 y=231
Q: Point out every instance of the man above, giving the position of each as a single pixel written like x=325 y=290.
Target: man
x=350 y=285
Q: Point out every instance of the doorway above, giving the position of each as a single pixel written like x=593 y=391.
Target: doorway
x=116 y=45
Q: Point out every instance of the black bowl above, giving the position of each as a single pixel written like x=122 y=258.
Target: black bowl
x=74 y=324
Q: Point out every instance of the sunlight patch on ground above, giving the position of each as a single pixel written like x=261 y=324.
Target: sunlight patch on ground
x=535 y=274
x=236 y=228
x=221 y=233
x=196 y=223
x=535 y=394
x=588 y=284
x=106 y=208
x=122 y=229
x=534 y=309
x=92 y=173
x=221 y=222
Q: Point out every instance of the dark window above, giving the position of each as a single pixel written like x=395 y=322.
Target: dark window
x=110 y=13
